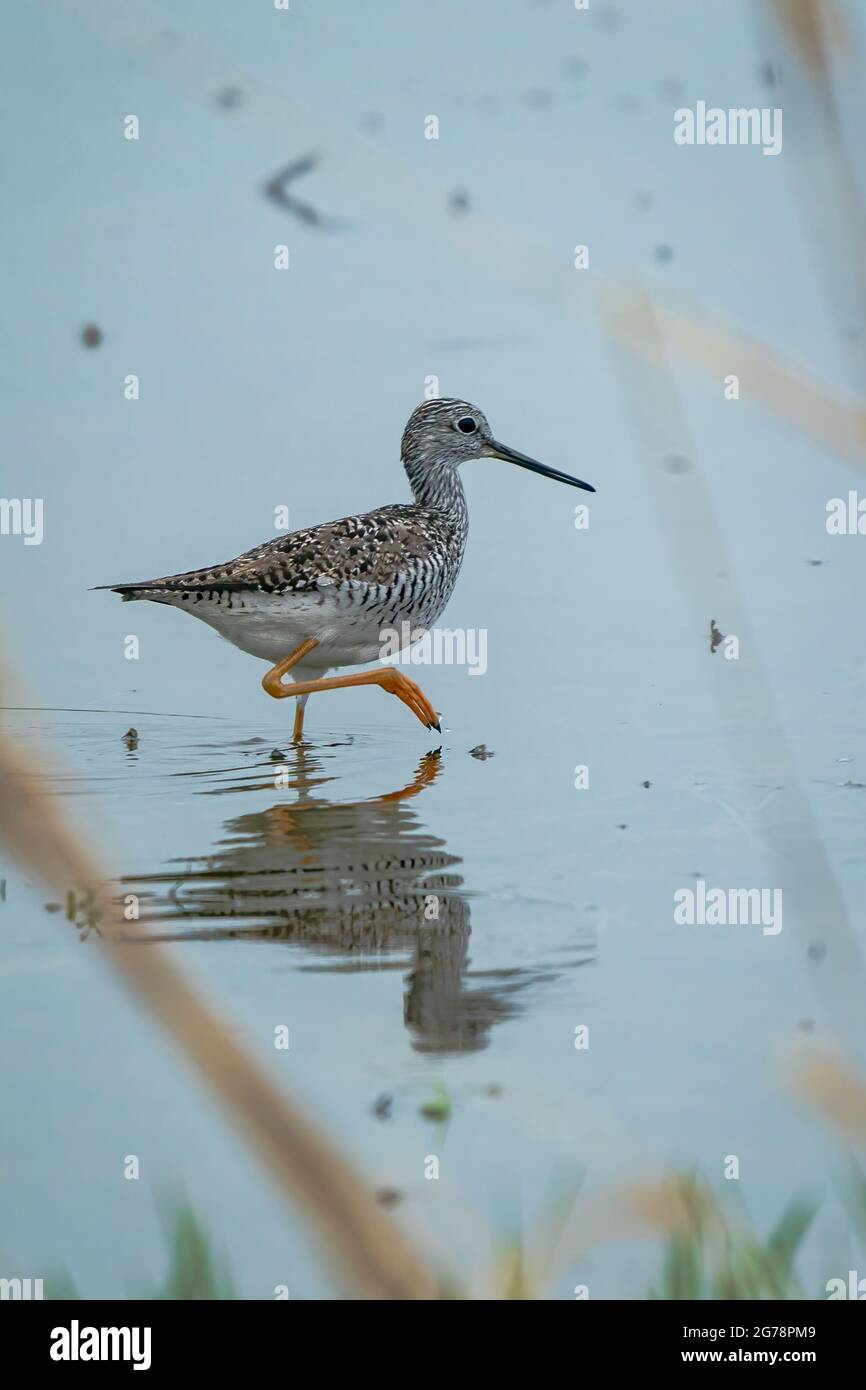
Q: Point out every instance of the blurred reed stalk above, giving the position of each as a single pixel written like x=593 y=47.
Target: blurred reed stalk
x=705 y=1257
x=748 y=713
x=820 y=59
x=365 y=1246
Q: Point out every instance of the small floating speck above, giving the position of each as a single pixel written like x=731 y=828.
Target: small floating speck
x=389 y=1197
x=663 y=253
x=276 y=756
x=609 y=19
x=91 y=335
x=130 y=738
x=538 y=97
x=482 y=752
x=372 y=122
x=676 y=463
x=382 y=1106
x=670 y=89
x=437 y=1110
x=229 y=98
x=770 y=73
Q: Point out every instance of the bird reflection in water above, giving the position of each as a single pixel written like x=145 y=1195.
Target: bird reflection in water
x=361 y=882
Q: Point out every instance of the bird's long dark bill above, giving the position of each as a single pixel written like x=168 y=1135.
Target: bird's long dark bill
x=500 y=451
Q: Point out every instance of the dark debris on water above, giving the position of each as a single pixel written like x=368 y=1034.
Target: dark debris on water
x=389 y=1197
x=229 y=98
x=382 y=1106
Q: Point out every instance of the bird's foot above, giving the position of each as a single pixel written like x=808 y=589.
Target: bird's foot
x=412 y=696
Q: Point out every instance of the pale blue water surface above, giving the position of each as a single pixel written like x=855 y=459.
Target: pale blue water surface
x=302 y=904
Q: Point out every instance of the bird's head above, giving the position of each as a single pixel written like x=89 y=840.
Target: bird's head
x=447 y=431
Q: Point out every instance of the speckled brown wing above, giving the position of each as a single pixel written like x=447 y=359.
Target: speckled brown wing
x=376 y=548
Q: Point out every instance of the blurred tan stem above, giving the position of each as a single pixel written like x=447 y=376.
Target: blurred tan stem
x=365 y=1245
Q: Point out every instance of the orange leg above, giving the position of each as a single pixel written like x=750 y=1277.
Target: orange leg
x=273 y=683
x=391 y=680
x=298 y=726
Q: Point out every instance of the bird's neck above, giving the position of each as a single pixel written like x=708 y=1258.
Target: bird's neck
x=437 y=485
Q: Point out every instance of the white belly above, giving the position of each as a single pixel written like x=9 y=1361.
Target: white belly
x=270 y=626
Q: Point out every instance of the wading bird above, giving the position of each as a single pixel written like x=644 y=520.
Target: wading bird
x=320 y=599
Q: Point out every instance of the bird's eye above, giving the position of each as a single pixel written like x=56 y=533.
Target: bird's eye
x=467 y=425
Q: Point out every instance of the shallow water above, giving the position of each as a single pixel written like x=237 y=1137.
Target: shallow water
x=294 y=889
x=296 y=893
